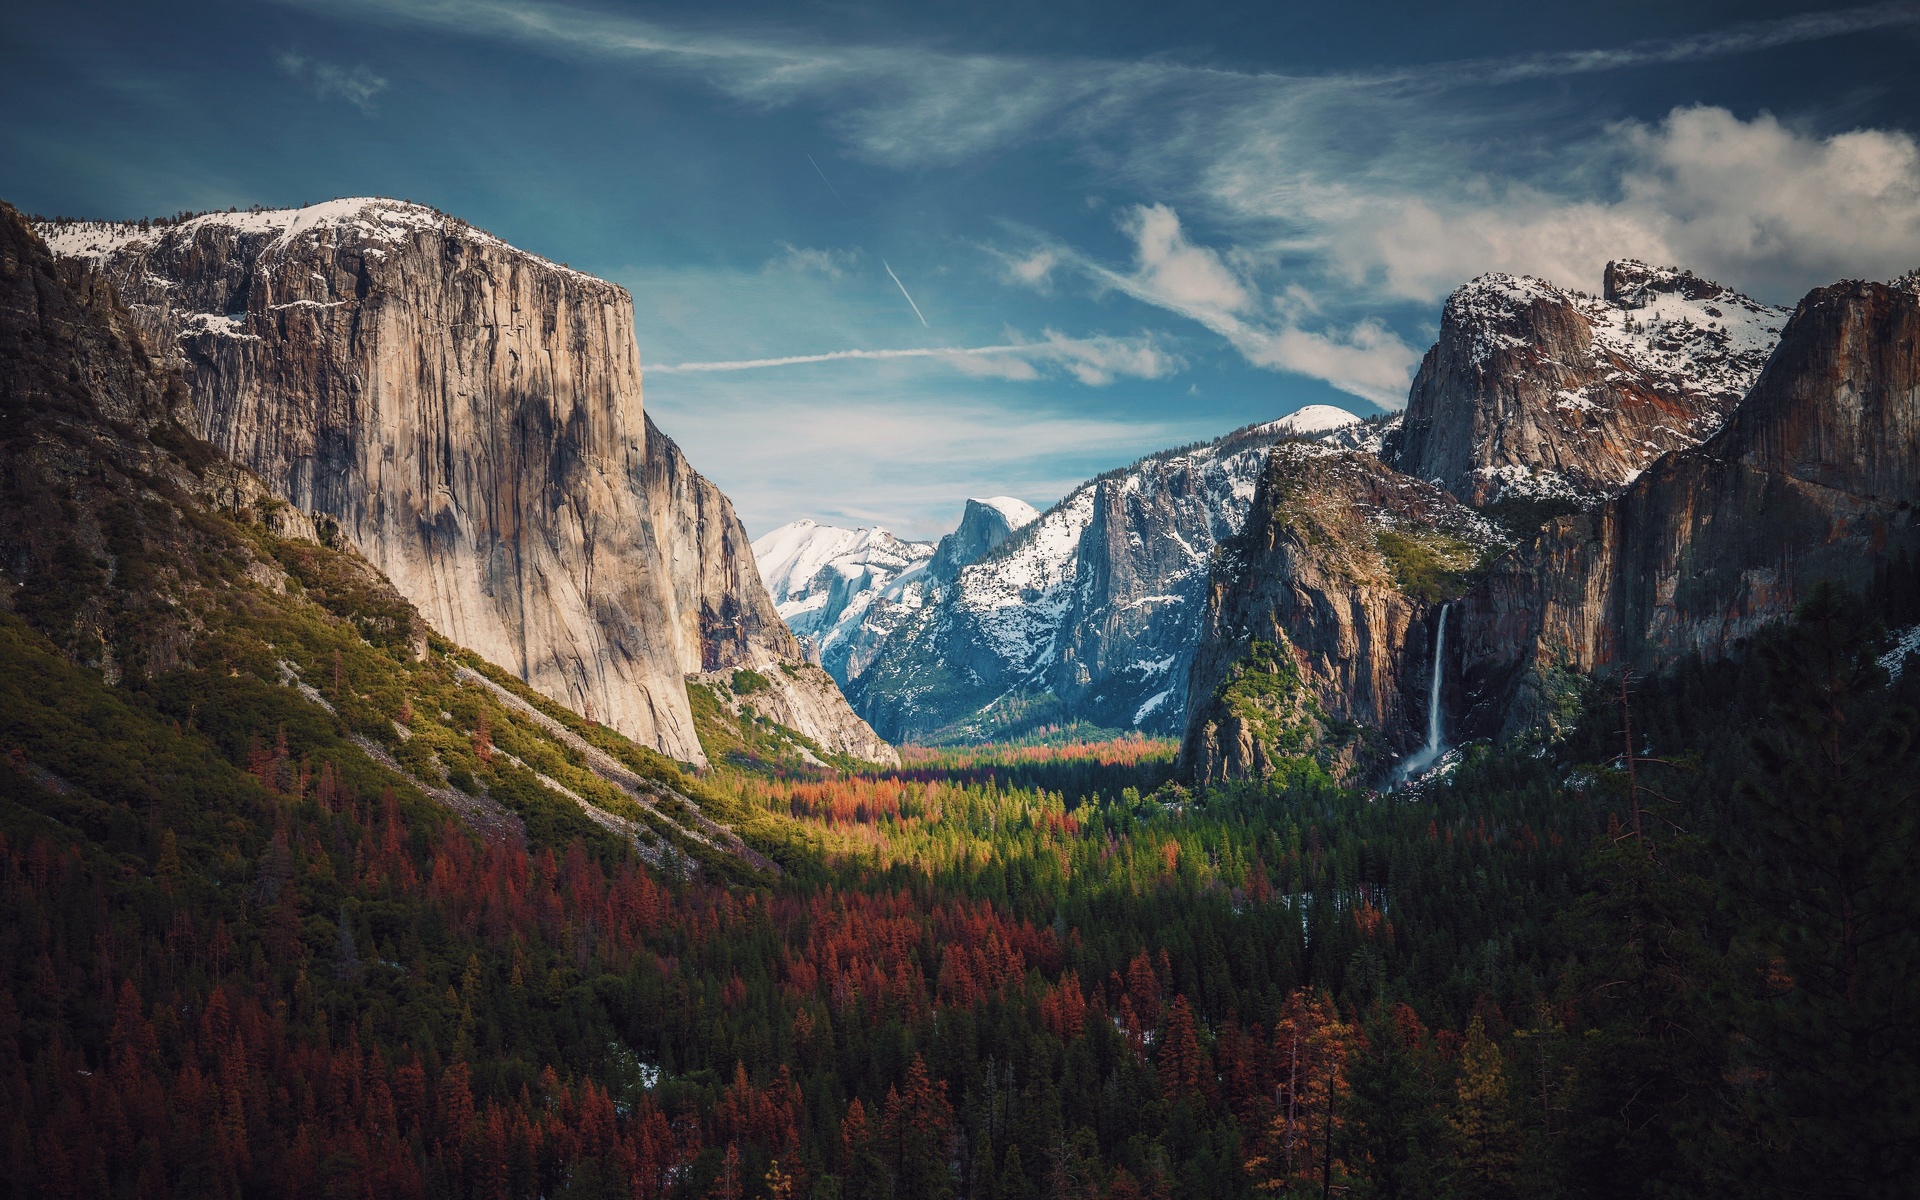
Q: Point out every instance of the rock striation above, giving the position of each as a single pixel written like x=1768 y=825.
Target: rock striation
x=1536 y=392
x=801 y=696
x=1814 y=478
x=469 y=416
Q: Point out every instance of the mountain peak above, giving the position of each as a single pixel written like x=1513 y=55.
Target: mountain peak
x=1543 y=392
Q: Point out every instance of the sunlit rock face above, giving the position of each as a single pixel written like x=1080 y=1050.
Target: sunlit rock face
x=1321 y=614
x=470 y=417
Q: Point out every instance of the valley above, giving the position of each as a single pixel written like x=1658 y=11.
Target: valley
x=416 y=784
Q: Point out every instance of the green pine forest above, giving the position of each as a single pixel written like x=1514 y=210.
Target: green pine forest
x=319 y=912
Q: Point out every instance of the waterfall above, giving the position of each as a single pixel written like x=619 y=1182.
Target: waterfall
x=1424 y=757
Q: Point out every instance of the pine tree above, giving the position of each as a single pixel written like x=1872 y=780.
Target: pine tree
x=1485 y=1137
x=1827 y=829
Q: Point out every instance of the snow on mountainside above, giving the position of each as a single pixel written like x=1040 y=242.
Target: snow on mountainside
x=1089 y=613
x=1535 y=391
x=1314 y=418
x=825 y=581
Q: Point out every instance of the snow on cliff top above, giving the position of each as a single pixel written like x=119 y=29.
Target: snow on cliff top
x=791 y=557
x=372 y=218
x=1019 y=513
x=1314 y=418
x=1691 y=334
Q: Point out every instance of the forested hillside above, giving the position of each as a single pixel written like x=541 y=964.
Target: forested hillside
x=243 y=959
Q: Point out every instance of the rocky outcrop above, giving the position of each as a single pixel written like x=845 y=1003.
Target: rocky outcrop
x=109 y=542
x=1815 y=477
x=469 y=416
x=984 y=525
x=1088 y=614
x=1537 y=392
x=801 y=696
x=1320 y=618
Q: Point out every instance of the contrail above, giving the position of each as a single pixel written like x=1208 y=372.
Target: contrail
x=754 y=364
x=825 y=180
x=904 y=292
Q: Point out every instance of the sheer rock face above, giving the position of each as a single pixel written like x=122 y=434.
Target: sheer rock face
x=1308 y=576
x=984 y=525
x=1537 y=392
x=470 y=416
x=1814 y=477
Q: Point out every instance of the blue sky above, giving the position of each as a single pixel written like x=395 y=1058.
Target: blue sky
x=1144 y=224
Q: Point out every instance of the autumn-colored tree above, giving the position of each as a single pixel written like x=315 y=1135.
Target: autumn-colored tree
x=1183 y=1066
x=1483 y=1131
x=1310 y=1047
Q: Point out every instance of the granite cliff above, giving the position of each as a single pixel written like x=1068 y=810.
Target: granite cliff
x=1710 y=468
x=1536 y=392
x=468 y=416
x=1815 y=477
x=1321 y=614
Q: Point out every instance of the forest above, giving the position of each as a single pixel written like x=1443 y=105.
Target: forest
x=1669 y=955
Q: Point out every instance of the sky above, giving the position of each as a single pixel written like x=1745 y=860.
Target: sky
x=886 y=257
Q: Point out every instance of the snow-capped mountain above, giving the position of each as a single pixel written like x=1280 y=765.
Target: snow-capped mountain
x=843 y=591
x=1088 y=613
x=1535 y=391
x=1311 y=420
x=826 y=582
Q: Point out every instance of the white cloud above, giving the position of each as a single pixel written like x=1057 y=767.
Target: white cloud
x=857 y=451
x=1034 y=269
x=1171 y=272
x=357 y=85
x=1381 y=180
x=1753 y=203
x=1184 y=275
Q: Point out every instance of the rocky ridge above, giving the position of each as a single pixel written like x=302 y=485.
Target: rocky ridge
x=1089 y=613
x=469 y=417
x=839 y=589
x=1814 y=478
x=1537 y=392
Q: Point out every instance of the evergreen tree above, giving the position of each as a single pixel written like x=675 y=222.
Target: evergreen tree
x=1828 y=830
x=1485 y=1137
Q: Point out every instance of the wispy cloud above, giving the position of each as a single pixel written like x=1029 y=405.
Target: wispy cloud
x=1378 y=181
x=910 y=103
x=871 y=457
x=357 y=85
x=833 y=263
x=1095 y=361
x=1172 y=273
